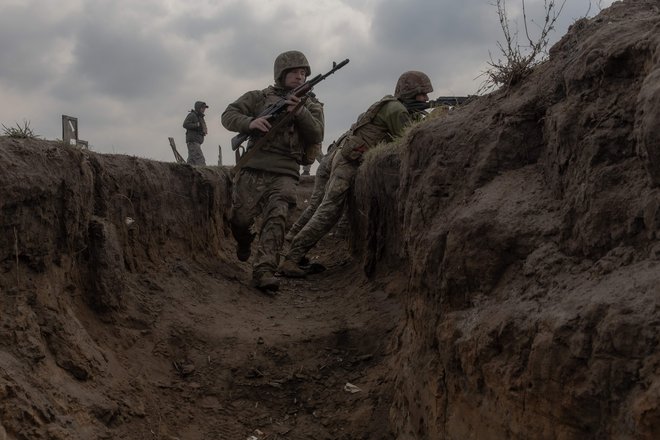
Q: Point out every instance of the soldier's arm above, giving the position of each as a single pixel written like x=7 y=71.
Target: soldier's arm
x=238 y=115
x=310 y=122
x=396 y=118
x=191 y=122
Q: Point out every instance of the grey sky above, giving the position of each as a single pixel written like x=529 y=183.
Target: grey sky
x=130 y=71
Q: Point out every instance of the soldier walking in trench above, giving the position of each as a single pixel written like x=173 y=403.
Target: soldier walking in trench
x=384 y=120
x=266 y=183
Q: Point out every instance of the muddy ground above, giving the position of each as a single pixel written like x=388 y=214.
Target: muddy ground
x=174 y=343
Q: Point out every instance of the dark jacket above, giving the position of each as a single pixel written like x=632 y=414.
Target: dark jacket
x=195 y=124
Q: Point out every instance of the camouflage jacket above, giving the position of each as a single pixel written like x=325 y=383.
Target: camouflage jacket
x=283 y=152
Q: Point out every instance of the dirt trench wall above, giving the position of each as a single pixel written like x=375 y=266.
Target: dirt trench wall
x=78 y=230
x=529 y=221
x=112 y=214
x=376 y=215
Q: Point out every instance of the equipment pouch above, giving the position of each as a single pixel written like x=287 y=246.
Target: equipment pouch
x=353 y=149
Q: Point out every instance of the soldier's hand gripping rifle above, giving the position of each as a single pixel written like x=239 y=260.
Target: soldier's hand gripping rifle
x=280 y=106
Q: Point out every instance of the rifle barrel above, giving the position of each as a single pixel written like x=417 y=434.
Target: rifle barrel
x=450 y=99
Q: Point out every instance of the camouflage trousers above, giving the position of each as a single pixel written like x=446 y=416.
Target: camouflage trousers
x=329 y=211
x=320 y=183
x=269 y=195
x=195 y=155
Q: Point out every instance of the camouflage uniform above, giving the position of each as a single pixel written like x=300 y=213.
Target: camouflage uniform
x=195 y=126
x=383 y=121
x=320 y=183
x=266 y=184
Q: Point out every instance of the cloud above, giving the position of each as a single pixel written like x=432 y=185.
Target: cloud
x=115 y=54
x=32 y=46
x=426 y=26
x=130 y=70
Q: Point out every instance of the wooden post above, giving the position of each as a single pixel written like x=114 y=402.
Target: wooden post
x=177 y=156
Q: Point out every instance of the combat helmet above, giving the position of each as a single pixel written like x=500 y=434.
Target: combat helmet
x=289 y=60
x=411 y=84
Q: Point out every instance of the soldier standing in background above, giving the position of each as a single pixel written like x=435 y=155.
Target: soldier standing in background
x=266 y=184
x=195 y=126
x=383 y=121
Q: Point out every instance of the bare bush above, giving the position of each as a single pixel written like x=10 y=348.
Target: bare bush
x=519 y=59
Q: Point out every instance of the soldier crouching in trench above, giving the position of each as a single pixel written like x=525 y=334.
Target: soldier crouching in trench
x=383 y=121
x=266 y=183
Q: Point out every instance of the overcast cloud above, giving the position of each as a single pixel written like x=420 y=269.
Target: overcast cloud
x=130 y=71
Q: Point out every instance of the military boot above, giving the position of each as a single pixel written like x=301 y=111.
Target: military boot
x=266 y=281
x=291 y=269
x=243 y=250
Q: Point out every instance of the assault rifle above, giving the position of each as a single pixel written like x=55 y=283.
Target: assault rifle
x=449 y=101
x=280 y=106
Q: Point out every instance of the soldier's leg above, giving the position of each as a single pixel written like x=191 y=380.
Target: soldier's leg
x=320 y=183
x=195 y=155
x=279 y=198
x=343 y=225
x=246 y=193
x=328 y=212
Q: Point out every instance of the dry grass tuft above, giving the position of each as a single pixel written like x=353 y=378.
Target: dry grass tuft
x=20 y=131
x=518 y=59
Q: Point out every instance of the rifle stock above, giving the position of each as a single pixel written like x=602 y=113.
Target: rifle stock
x=281 y=105
x=237 y=140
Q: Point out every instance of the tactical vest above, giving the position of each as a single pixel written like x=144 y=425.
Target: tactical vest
x=364 y=134
x=286 y=141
